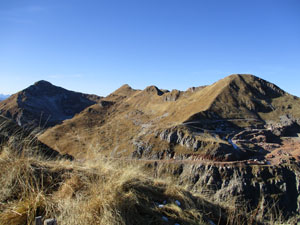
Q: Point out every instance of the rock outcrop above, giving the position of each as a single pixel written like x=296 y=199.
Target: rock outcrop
x=263 y=190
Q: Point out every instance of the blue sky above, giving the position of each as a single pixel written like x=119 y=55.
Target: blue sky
x=95 y=46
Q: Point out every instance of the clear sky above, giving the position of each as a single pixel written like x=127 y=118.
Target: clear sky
x=95 y=46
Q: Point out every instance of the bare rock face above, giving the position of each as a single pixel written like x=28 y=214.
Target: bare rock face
x=45 y=105
x=261 y=189
x=172 y=96
x=286 y=127
x=256 y=185
x=154 y=90
x=200 y=147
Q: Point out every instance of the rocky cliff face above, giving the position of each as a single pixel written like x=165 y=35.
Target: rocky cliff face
x=197 y=146
x=44 y=105
x=263 y=190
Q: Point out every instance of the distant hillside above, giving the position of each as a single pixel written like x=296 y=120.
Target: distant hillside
x=202 y=122
x=43 y=104
x=3 y=97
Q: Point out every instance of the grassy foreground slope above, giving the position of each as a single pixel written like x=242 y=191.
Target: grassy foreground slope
x=97 y=192
x=102 y=192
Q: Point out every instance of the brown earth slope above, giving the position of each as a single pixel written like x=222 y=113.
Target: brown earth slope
x=204 y=122
x=45 y=105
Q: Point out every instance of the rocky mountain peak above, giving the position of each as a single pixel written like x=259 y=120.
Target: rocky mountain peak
x=153 y=89
x=123 y=90
x=43 y=87
x=43 y=83
x=45 y=104
x=251 y=84
x=243 y=93
x=126 y=87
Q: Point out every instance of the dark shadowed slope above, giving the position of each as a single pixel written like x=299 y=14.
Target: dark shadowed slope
x=44 y=104
x=23 y=141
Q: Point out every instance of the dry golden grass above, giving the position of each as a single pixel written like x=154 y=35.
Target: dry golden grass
x=91 y=192
x=100 y=191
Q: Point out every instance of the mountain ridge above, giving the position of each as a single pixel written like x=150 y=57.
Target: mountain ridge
x=235 y=142
x=44 y=104
x=198 y=123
